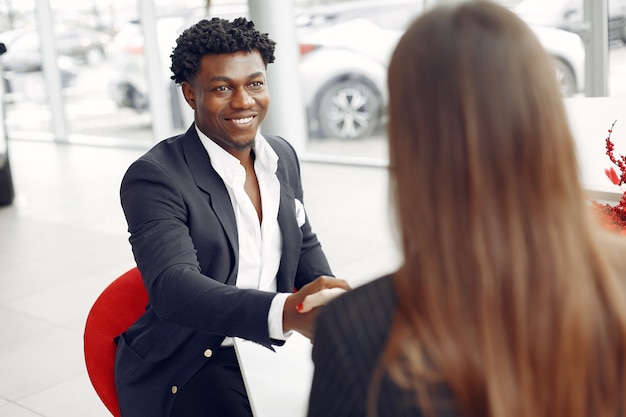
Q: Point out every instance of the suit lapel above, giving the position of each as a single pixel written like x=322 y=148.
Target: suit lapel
x=210 y=182
x=199 y=164
x=292 y=237
x=291 y=247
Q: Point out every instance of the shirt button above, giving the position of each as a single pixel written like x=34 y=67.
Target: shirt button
x=174 y=389
x=208 y=353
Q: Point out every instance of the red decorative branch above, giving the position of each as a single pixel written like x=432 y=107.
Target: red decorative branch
x=613 y=217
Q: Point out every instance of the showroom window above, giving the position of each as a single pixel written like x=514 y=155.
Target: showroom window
x=77 y=71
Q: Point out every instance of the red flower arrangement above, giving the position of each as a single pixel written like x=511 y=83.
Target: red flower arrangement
x=613 y=217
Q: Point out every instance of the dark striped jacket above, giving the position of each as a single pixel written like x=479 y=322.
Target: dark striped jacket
x=350 y=336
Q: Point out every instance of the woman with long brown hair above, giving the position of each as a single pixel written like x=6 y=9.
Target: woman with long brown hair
x=511 y=299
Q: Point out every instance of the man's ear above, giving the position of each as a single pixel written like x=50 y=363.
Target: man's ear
x=189 y=94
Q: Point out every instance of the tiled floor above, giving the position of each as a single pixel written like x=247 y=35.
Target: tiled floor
x=64 y=239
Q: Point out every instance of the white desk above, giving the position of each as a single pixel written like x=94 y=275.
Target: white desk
x=278 y=383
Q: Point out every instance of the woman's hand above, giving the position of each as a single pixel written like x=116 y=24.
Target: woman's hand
x=301 y=310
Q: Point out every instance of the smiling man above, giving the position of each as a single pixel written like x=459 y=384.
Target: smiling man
x=219 y=233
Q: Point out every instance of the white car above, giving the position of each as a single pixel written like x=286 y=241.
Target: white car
x=345 y=67
x=345 y=49
x=568 y=52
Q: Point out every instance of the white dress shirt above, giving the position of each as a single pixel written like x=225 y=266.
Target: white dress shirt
x=260 y=244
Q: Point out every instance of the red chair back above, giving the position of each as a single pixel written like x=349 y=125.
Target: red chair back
x=117 y=307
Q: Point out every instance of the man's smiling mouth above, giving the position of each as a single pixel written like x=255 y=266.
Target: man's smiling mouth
x=243 y=121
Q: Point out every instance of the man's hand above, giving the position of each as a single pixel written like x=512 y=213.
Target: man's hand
x=303 y=322
x=319 y=298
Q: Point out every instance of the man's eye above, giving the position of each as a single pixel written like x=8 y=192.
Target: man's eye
x=222 y=88
x=257 y=84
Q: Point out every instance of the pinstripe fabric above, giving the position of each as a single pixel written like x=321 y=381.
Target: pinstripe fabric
x=350 y=336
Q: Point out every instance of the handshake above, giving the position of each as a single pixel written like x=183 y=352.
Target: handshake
x=319 y=298
x=301 y=309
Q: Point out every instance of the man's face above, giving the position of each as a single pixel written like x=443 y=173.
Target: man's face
x=230 y=98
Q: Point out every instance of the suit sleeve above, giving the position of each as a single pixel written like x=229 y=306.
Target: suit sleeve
x=158 y=221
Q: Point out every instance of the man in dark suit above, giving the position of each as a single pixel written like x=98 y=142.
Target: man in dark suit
x=219 y=233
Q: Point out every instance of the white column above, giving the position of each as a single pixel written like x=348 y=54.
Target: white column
x=287 y=115
x=158 y=84
x=596 y=47
x=51 y=72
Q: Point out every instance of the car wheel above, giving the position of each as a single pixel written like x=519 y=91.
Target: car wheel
x=348 y=109
x=565 y=77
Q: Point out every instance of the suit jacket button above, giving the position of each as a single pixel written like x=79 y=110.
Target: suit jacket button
x=208 y=353
x=174 y=389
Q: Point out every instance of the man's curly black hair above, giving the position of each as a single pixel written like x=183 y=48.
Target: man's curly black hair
x=216 y=36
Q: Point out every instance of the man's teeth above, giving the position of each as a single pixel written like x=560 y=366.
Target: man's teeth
x=242 y=121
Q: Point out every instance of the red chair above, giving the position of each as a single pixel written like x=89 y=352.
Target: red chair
x=117 y=307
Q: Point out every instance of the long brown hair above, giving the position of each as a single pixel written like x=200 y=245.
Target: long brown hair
x=509 y=294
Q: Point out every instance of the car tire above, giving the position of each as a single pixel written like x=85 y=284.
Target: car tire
x=565 y=77
x=348 y=109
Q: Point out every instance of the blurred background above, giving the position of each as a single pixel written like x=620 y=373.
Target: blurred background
x=78 y=71
x=85 y=90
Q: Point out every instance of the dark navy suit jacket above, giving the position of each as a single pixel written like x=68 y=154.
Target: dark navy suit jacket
x=184 y=239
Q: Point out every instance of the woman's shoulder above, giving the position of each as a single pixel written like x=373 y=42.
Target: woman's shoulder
x=368 y=308
x=379 y=290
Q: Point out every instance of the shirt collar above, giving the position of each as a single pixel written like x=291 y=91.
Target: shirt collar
x=228 y=167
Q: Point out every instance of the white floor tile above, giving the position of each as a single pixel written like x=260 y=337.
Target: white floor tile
x=73 y=397
x=14 y=410
x=43 y=360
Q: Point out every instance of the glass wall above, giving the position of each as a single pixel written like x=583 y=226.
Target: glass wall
x=101 y=69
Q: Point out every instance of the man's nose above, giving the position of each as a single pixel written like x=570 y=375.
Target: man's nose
x=242 y=98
